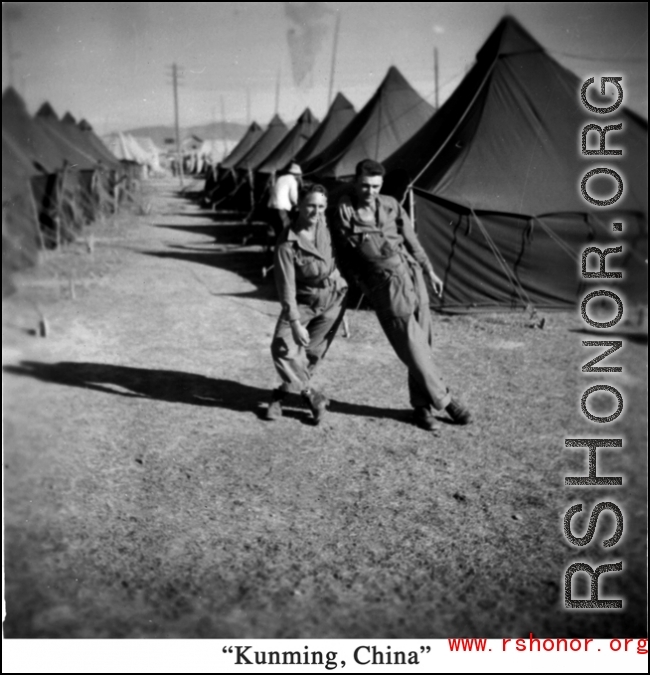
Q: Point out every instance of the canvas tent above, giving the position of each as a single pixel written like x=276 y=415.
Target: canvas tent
x=286 y=150
x=77 y=136
x=82 y=171
x=150 y=152
x=75 y=155
x=20 y=233
x=246 y=191
x=496 y=178
x=249 y=139
x=127 y=150
x=52 y=174
x=222 y=180
x=267 y=142
x=101 y=151
x=338 y=117
x=35 y=142
x=393 y=114
x=63 y=183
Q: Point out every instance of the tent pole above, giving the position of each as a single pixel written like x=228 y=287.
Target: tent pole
x=412 y=208
x=178 y=135
x=277 y=91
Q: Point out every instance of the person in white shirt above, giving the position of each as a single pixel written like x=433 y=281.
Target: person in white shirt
x=284 y=198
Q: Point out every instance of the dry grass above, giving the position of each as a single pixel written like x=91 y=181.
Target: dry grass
x=145 y=497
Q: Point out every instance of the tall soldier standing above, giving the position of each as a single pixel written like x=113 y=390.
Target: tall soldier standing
x=378 y=247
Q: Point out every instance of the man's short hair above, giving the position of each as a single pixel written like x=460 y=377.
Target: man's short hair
x=311 y=189
x=368 y=167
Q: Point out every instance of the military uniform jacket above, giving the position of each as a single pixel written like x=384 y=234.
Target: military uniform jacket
x=385 y=257
x=306 y=275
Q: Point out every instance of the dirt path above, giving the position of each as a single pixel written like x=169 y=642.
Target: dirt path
x=145 y=497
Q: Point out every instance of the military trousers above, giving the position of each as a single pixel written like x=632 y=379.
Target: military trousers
x=411 y=336
x=296 y=364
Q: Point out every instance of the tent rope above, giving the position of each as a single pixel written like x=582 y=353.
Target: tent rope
x=523 y=296
x=457 y=125
x=558 y=240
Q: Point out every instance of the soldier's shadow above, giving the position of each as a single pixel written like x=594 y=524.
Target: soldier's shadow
x=179 y=387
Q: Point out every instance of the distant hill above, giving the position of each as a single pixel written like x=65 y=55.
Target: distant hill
x=165 y=137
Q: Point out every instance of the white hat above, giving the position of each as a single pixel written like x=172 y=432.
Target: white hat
x=295 y=168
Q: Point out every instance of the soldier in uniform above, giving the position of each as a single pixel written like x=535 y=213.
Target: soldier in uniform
x=312 y=292
x=378 y=248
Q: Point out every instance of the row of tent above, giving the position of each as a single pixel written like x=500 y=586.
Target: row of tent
x=57 y=177
x=492 y=178
x=143 y=151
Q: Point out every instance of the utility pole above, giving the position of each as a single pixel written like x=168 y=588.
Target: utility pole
x=179 y=156
x=333 y=68
x=435 y=72
x=277 y=91
x=224 y=143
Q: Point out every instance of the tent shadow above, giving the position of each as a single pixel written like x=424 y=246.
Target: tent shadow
x=225 y=233
x=179 y=387
x=249 y=264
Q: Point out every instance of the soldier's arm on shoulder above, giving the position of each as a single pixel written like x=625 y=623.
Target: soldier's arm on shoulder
x=341 y=223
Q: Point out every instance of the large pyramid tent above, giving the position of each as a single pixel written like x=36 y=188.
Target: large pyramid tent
x=101 y=151
x=249 y=139
x=36 y=143
x=75 y=155
x=340 y=114
x=239 y=191
x=269 y=140
x=20 y=235
x=393 y=114
x=286 y=150
x=496 y=176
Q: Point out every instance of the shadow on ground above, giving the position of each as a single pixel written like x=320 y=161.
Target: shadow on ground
x=225 y=233
x=252 y=265
x=178 y=387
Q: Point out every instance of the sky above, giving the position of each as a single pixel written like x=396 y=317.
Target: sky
x=111 y=62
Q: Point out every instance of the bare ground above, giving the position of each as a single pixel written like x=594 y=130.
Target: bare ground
x=146 y=497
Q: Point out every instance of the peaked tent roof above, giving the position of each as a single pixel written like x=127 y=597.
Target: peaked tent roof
x=34 y=141
x=106 y=155
x=340 y=114
x=275 y=132
x=507 y=140
x=126 y=148
x=496 y=177
x=78 y=157
x=80 y=139
x=286 y=150
x=252 y=135
x=393 y=114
